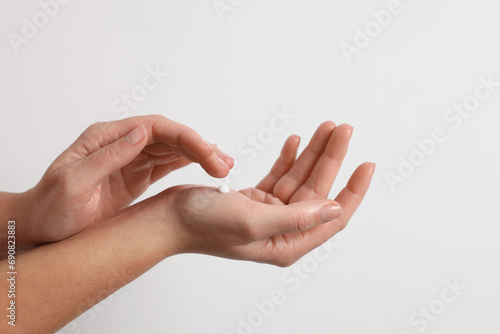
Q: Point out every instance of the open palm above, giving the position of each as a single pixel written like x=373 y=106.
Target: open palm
x=277 y=221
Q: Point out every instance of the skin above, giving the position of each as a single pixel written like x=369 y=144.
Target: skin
x=277 y=222
x=101 y=173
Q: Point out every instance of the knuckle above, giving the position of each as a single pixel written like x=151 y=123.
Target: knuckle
x=284 y=261
x=156 y=120
x=158 y=117
x=110 y=153
x=312 y=185
x=302 y=221
x=93 y=134
x=95 y=127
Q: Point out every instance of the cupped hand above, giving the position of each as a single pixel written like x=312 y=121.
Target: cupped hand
x=107 y=168
x=285 y=216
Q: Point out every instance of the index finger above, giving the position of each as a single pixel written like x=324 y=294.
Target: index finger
x=179 y=137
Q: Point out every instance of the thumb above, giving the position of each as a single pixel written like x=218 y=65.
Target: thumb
x=300 y=216
x=110 y=158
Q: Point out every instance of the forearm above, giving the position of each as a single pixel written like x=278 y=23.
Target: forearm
x=59 y=281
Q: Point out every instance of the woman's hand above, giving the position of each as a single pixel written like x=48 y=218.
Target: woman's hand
x=106 y=169
x=281 y=219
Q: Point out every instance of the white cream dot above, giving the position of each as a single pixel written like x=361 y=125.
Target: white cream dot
x=224 y=188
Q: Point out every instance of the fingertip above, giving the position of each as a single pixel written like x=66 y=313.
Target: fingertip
x=330 y=212
x=219 y=174
x=367 y=164
x=229 y=162
x=328 y=124
x=371 y=167
x=294 y=139
x=347 y=128
x=325 y=129
x=361 y=178
x=223 y=158
x=222 y=153
x=137 y=135
x=222 y=169
x=350 y=129
x=291 y=143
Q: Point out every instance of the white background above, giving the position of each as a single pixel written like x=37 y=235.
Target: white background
x=226 y=76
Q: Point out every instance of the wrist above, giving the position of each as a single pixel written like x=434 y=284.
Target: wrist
x=167 y=223
x=155 y=216
x=15 y=207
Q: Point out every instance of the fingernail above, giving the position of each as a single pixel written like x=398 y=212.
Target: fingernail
x=136 y=136
x=208 y=145
x=330 y=212
x=373 y=168
x=222 y=162
x=224 y=155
